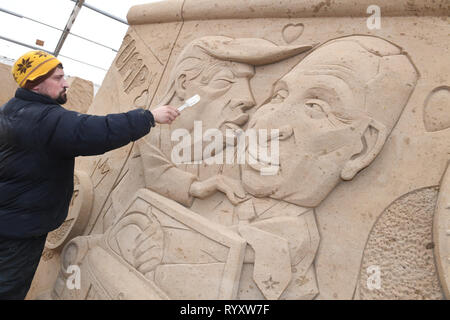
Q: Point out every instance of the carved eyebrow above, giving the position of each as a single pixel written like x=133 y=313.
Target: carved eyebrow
x=345 y=87
x=324 y=89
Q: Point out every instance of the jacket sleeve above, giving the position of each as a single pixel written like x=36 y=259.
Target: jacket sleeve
x=72 y=134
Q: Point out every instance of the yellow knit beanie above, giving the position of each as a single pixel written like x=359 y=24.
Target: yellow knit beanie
x=32 y=65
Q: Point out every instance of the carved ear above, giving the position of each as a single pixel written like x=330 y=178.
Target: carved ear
x=372 y=140
x=180 y=86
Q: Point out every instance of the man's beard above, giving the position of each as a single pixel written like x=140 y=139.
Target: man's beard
x=62 y=98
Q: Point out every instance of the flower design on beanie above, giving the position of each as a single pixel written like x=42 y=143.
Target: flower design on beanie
x=40 y=54
x=22 y=67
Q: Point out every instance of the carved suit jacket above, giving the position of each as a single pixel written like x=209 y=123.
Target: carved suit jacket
x=290 y=229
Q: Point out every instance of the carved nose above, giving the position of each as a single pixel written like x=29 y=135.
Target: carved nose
x=247 y=104
x=243 y=104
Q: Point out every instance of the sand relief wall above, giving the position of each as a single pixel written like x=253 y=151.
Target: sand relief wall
x=9 y=86
x=363 y=147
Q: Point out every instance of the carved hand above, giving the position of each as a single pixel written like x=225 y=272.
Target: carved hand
x=231 y=187
x=149 y=248
x=165 y=114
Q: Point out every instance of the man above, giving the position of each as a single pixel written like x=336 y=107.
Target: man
x=38 y=143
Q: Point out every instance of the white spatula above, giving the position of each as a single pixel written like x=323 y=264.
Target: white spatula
x=189 y=102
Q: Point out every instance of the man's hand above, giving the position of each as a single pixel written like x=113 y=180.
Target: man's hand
x=231 y=187
x=165 y=114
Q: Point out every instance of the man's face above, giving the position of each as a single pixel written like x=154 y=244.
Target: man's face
x=316 y=111
x=225 y=94
x=54 y=86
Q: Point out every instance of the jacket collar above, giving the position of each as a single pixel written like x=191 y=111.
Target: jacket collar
x=29 y=95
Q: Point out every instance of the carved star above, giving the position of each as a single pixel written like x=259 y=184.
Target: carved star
x=270 y=284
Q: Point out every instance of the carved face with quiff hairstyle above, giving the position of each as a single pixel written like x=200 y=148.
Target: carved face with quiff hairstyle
x=219 y=70
x=334 y=111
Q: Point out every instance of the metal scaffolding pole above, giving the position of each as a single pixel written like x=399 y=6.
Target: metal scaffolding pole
x=69 y=24
x=78 y=5
x=37 y=48
x=22 y=44
x=103 y=12
x=50 y=26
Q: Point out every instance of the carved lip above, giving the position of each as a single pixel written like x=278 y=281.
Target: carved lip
x=231 y=125
x=257 y=164
x=236 y=123
x=239 y=120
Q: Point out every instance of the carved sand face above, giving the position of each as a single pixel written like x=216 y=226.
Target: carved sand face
x=315 y=107
x=225 y=94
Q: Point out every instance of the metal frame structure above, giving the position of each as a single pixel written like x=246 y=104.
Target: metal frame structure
x=66 y=31
x=102 y=12
x=70 y=22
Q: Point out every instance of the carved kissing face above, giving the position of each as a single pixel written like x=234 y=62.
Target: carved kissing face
x=225 y=93
x=316 y=108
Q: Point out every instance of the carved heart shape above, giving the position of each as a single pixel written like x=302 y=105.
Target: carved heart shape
x=292 y=32
x=141 y=101
x=436 y=115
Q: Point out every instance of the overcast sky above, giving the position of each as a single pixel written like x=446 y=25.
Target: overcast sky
x=80 y=57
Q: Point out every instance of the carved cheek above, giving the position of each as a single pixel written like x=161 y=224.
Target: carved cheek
x=333 y=141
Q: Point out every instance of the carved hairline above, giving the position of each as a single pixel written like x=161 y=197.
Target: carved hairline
x=390 y=55
x=252 y=51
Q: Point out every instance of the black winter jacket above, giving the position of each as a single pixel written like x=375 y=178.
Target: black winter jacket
x=39 y=141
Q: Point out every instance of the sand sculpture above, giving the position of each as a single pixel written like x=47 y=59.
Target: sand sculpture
x=79 y=95
x=347 y=209
x=9 y=86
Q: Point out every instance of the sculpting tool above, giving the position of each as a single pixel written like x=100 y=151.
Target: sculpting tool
x=189 y=102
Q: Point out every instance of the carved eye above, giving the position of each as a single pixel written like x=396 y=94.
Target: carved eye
x=315 y=110
x=220 y=83
x=279 y=96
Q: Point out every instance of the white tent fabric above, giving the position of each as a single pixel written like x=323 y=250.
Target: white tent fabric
x=88 y=50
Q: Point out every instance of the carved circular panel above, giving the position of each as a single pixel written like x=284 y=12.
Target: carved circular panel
x=398 y=261
x=441 y=234
x=79 y=210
